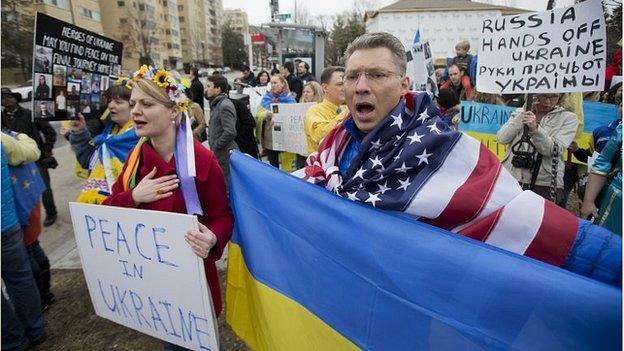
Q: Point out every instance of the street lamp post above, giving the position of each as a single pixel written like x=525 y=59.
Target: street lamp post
x=203 y=46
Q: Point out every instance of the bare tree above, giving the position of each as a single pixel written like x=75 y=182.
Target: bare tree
x=139 y=32
x=17 y=34
x=300 y=12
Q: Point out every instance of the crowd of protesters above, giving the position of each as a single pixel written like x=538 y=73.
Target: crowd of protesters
x=537 y=140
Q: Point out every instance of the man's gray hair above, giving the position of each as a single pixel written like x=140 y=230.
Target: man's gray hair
x=380 y=40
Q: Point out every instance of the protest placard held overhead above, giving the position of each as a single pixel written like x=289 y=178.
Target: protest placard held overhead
x=562 y=50
x=72 y=68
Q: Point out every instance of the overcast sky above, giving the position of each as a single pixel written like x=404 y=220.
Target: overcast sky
x=258 y=10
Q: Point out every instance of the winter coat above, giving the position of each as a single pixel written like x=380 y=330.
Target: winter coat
x=558 y=126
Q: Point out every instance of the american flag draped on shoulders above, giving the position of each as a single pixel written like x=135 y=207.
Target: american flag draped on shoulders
x=413 y=163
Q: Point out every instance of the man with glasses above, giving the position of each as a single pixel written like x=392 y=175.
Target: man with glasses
x=394 y=152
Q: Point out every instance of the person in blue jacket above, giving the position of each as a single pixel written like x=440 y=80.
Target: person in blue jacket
x=22 y=319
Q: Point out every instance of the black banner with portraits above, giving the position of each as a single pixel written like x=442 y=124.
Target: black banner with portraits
x=72 y=68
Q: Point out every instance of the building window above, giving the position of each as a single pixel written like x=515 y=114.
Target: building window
x=121 y=3
x=180 y=7
x=94 y=15
x=123 y=20
x=64 y=4
x=183 y=41
x=141 y=7
x=181 y=19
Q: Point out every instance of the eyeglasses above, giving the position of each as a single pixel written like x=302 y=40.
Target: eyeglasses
x=375 y=77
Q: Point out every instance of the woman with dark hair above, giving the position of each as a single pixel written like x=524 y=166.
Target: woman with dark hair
x=263 y=79
x=103 y=155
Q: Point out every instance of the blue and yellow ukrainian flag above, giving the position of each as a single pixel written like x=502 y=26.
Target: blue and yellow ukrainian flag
x=309 y=270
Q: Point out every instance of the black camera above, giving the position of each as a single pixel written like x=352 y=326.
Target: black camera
x=523 y=160
x=523 y=151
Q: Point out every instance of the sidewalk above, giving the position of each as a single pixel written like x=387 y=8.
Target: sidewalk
x=58 y=240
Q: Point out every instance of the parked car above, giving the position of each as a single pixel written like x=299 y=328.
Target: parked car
x=26 y=90
x=205 y=72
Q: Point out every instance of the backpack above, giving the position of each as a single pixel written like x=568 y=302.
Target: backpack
x=245 y=126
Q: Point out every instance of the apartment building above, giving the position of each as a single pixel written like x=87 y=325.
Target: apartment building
x=200 y=28
x=147 y=28
x=237 y=19
x=171 y=33
x=82 y=13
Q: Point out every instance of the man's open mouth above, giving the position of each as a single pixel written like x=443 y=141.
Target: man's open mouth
x=364 y=107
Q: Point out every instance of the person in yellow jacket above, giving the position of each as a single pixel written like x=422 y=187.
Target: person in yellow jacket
x=324 y=116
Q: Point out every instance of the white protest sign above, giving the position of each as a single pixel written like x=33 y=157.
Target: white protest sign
x=288 y=131
x=142 y=274
x=255 y=96
x=561 y=50
x=420 y=68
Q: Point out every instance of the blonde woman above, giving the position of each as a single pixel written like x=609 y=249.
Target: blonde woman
x=312 y=92
x=154 y=177
x=278 y=94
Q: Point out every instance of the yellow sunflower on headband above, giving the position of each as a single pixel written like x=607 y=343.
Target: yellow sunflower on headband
x=162 y=78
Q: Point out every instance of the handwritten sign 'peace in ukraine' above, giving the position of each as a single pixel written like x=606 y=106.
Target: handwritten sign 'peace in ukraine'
x=142 y=274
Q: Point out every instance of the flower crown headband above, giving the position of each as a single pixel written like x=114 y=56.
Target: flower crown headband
x=164 y=79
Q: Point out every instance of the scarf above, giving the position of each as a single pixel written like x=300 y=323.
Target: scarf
x=269 y=98
x=184 y=154
x=111 y=149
